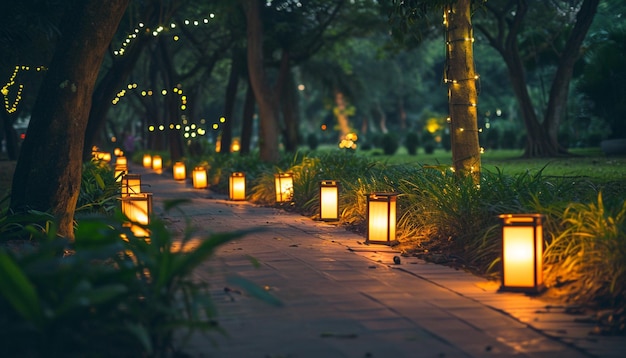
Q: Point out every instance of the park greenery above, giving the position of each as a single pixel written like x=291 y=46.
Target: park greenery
x=184 y=78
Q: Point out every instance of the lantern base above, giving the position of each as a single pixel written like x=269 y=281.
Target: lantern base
x=524 y=289
x=388 y=243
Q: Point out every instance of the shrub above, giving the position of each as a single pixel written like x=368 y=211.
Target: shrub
x=101 y=293
x=389 y=144
x=312 y=141
x=411 y=142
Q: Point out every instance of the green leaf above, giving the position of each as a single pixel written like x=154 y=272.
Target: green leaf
x=19 y=290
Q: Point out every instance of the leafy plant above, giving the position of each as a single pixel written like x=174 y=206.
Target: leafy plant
x=108 y=293
x=586 y=260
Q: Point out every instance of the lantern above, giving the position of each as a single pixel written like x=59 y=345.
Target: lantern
x=147 y=161
x=157 y=163
x=138 y=210
x=131 y=184
x=120 y=170
x=284 y=187
x=329 y=200
x=522 y=252
x=199 y=178
x=121 y=161
x=179 y=171
x=106 y=156
x=237 y=186
x=118 y=152
x=381 y=218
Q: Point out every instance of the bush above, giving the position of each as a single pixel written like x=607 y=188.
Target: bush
x=101 y=293
x=411 y=142
x=389 y=144
x=312 y=141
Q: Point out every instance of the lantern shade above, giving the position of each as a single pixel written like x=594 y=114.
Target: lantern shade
x=157 y=163
x=237 y=186
x=381 y=218
x=131 y=184
x=179 y=171
x=119 y=172
x=138 y=210
x=522 y=253
x=284 y=187
x=329 y=200
x=199 y=178
x=147 y=161
x=121 y=161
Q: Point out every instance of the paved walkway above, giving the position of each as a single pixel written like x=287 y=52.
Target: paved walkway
x=342 y=298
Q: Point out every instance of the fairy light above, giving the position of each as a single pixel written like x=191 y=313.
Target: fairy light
x=6 y=89
x=157 y=31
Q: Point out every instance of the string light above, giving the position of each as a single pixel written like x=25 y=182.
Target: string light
x=12 y=107
x=157 y=32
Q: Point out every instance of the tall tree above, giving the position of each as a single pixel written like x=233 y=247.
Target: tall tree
x=509 y=19
x=265 y=94
x=48 y=172
x=460 y=75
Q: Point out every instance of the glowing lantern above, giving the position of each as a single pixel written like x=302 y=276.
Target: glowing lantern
x=381 y=218
x=131 y=184
x=121 y=161
x=138 y=210
x=106 y=157
x=284 y=187
x=157 y=163
x=120 y=170
x=522 y=252
x=199 y=178
x=118 y=152
x=329 y=200
x=235 y=146
x=179 y=171
x=237 y=186
x=147 y=161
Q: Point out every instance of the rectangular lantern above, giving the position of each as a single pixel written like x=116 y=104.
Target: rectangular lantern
x=284 y=187
x=147 y=161
x=329 y=200
x=179 y=171
x=131 y=184
x=381 y=218
x=199 y=178
x=138 y=210
x=121 y=161
x=237 y=186
x=120 y=170
x=522 y=252
x=157 y=163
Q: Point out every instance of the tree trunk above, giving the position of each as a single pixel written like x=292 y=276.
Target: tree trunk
x=289 y=100
x=106 y=89
x=462 y=96
x=48 y=172
x=229 y=102
x=264 y=94
x=247 y=121
x=557 y=102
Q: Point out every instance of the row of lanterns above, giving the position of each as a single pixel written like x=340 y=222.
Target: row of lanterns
x=522 y=234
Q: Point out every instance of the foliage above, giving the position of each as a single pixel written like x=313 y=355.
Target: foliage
x=99 y=188
x=390 y=144
x=586 y=259
x=411 y=142
x=108 y=293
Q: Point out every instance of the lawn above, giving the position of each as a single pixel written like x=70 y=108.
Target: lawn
x=590 y=162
